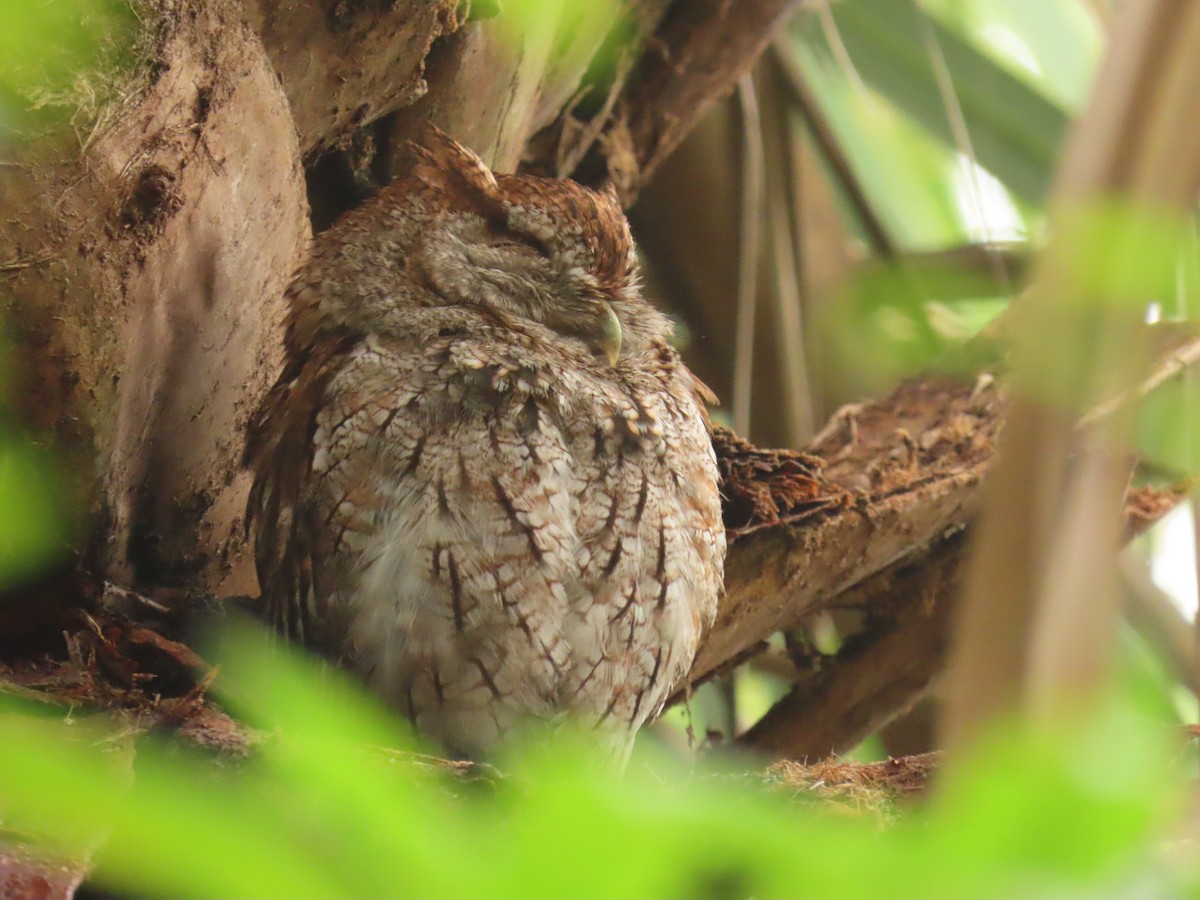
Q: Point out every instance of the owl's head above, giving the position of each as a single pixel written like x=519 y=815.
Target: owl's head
x=539 y=249
x=547 y=250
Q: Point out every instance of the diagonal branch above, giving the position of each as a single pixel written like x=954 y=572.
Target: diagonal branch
x=879 y=530
x=900 y=655
x=899 y=474
x=697 y=55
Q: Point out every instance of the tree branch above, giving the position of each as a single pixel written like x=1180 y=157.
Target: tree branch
x=879 y=673
x=699 y=52
x=884 y=670
x=900 y=473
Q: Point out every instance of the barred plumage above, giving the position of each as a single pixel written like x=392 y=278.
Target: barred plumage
x=484 y=480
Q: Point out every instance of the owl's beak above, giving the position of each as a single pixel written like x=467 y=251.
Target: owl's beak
x=607 y=336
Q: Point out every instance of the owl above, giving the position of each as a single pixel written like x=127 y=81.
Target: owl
x=484 y=481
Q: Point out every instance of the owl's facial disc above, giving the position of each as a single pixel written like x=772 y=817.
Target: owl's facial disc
x=467 y=261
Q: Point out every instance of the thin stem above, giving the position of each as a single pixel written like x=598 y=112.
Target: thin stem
x=830 y=147
x=749 y=252
x=962 y=139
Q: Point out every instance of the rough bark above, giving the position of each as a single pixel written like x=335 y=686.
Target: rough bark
x=902 y=473
x=908 y=468
x=346 y=64
x=148 y=326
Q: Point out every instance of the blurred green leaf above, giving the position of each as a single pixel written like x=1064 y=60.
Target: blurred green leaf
x=57 y=56
x=321 y=810
x=1119 y=254
x=1167 y=428
x=1105 y=263
x=885 y=324
x=1107 y=798
x=556 y=27
x=1015 y=132
x=33 y=532
x=907 y=175
x=1052 y=44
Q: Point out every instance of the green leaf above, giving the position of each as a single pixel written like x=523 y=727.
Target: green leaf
x=319 y=810
x=907 y=175
x=33 y=532
x=1015 y=131
x=57 y=56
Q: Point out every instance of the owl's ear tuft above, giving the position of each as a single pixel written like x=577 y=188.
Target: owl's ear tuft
x=446 y=165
